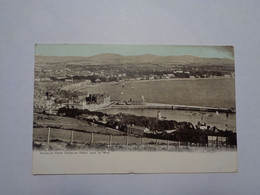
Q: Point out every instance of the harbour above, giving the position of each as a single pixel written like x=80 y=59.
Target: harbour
x=160 y=106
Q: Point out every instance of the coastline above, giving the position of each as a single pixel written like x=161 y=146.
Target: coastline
x=171 y=107
x=155 y=80
x=119 y=92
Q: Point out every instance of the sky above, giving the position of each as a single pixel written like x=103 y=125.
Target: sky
x=87 y=50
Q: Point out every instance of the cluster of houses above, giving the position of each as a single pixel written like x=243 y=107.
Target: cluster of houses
x=92 y=102
x=213 y=140
x=67 y=75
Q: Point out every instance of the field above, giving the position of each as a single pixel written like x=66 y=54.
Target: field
x=84 y=134
x=66 y=140
x=63 y=133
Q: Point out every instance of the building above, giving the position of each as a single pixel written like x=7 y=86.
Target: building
x=69 y=80
x=202 y=126
x=170 y=131
x=159 y=115
x=98 y=99
x=75 y=105
x=217 y=141
x=42 y=79
x=97 y=81
x=92 y=102
x=136 y=130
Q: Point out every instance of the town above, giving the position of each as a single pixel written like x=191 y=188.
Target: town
x=60 y=83
x=63 y=92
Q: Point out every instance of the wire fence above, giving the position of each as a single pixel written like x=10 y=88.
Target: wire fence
x=68 y=139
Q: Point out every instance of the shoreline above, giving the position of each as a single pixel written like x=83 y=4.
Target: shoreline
x=166 y=82
x=155 y=80
x=219 y=120
x=171 y=107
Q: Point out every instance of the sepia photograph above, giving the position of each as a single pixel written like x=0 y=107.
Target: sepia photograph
x=129 y=97
x=134 y=100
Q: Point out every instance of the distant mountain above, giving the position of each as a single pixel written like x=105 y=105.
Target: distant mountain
x=113 y=59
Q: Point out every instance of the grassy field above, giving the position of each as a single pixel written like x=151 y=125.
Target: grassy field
x=68 y=123
x=40 y=134
x=61 y=139
x=92 y=136
x=61 y=127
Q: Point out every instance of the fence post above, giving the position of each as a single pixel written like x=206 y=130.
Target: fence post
x=188 y=144
x=127 y=141
x=110 y=140
x=71 y=137
x=167 y=144
x=92 y=138
x=226 y=142
x=48 y=137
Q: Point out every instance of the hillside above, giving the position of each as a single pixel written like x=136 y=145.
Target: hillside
x=113 y=59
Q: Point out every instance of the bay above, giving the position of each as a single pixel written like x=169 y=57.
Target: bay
x=194 y=92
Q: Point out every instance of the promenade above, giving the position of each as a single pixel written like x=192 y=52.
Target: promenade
x=172 y=107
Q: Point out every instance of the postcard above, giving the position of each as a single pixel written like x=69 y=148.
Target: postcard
x=113 y=109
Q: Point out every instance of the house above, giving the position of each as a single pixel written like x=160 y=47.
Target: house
x=170 y=75
x=178 y=71
x=163 y=77
x=98 y=99
x=202 y=126
x=69 y=80
x=217 y=141
x=74 y=105
x=92 y=117
x=148 y=132
x=136 y=130
x=170 y=131
x=97 y=81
